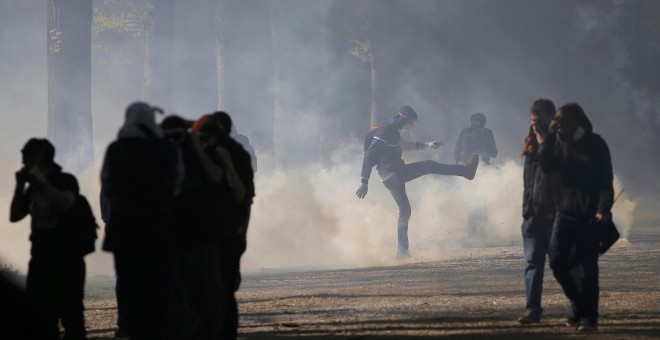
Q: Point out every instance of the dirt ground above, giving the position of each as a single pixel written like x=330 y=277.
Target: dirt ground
x=477 y=293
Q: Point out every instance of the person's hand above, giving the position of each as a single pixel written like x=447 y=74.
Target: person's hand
x=538 y=133
x=21 y=176
x=36 y=176
x=223 y=153
x=554 y=125
x=603 y=218
x=433 y=144
x=362 y=190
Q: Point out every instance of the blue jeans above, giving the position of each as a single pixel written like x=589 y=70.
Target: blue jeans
x=396 y=183
x=536 y=231
x=573 y=243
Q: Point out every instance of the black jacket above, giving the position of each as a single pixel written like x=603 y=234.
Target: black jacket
x=540 y=190
x=585 y=170
x=475 y=140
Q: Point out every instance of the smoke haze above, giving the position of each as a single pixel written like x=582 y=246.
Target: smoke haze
x=447 y=59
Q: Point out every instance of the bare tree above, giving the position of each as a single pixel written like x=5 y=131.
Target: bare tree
x=69 y=82
x=158 y=59
x=277 y=81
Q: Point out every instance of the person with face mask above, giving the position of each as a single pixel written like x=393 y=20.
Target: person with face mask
x=475 y=139
x=583 y=207
x=538 y=209
x=385 y=151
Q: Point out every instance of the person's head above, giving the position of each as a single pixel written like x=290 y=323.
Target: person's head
x=209 y=130
x=175 y=128
x=541 y=113
x=478 y=120
x=140 y=116
x=38 y=152
x=572 y=122
x=406 y=118
x=224 y=120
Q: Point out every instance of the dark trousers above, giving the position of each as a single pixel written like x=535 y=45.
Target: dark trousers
x=536 y=232
x=573 y=243
x=396 y=183
x=200 y=293
x=144 y=282
x=231 y=279
x=55 y=288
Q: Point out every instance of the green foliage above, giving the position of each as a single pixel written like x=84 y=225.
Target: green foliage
x=362 y=50
x=118 y=30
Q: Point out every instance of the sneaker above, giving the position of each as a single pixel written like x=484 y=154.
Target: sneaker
x=472 y=163
x=529 y=316
x=587 y=325
x=572 y=321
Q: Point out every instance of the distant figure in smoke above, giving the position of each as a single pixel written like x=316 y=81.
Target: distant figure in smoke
x=384 y=150
x=234 y=209
x=245 y=142
x=139 y=178
x=476 y=139
x=56 y=273
x=585 y=198
x=538 y=209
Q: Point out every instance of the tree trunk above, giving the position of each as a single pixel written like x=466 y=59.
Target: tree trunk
x=219 y=57
x=374 y=86
x=158 y=59
x=277 y=105
x=69 y=82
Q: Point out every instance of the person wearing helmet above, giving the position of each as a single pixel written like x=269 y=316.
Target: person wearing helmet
x=385 y=152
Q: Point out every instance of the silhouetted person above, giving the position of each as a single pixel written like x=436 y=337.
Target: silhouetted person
x=538 y=209
x=139 y=177
x=585 y=198
x=235 y=209
x=245 y=142
x=56 y=273
x=195 y=221
x=385 y=150
x=476 y=139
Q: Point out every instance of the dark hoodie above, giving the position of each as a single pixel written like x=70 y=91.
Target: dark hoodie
x=585 y=170
x=386 y=148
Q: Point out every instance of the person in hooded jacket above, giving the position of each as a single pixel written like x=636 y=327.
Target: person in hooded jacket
x=385 y=152
x=139 y=180
x=476 y=138
x=538 y=209
x=584 y=202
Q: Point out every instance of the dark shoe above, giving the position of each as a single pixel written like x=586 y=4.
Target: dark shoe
x=572 y=321
x=587 y=325
x=472 y=163
x=529 y=316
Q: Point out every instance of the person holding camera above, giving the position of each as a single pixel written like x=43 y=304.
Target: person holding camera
x=56 y=272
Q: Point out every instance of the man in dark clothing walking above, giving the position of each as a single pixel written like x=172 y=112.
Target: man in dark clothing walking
x=56 y=273
x=584 y=204
x=538 y=209
x=385 y=151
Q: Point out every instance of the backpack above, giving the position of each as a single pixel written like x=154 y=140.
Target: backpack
x=369 y=137
x=79 y=227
